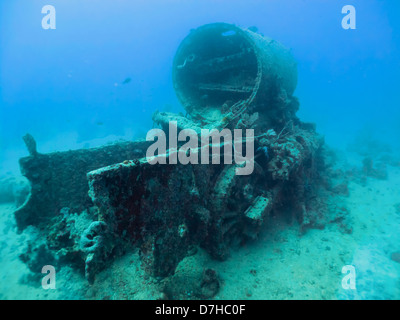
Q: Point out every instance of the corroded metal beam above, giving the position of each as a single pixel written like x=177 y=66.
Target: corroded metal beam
x=59 y=179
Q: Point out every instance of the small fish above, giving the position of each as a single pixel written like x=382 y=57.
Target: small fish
x=99 y=123
x=127 y=80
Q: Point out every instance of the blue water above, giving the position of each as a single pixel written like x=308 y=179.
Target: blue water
x=68 y=82
x=105 y=69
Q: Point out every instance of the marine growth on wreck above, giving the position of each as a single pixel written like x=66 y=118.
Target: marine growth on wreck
x=92 y=206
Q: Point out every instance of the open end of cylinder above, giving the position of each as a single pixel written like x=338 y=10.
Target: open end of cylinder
x=214 y=68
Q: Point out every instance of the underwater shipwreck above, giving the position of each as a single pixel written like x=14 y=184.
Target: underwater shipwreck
x=93 y=205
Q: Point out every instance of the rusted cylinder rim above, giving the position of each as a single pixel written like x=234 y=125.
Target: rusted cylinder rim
x=215 y=67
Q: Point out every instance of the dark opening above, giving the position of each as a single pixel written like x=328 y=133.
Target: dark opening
x=216 y=66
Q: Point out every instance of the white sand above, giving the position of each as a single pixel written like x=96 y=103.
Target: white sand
x=282 y=264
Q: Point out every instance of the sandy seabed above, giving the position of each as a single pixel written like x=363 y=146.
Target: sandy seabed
x=281 y=264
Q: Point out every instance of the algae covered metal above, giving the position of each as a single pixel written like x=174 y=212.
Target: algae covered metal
x=226 y=77
x=58 y=179
x=221 y=70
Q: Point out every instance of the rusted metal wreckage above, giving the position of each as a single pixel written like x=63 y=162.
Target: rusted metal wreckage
x=225 y=77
